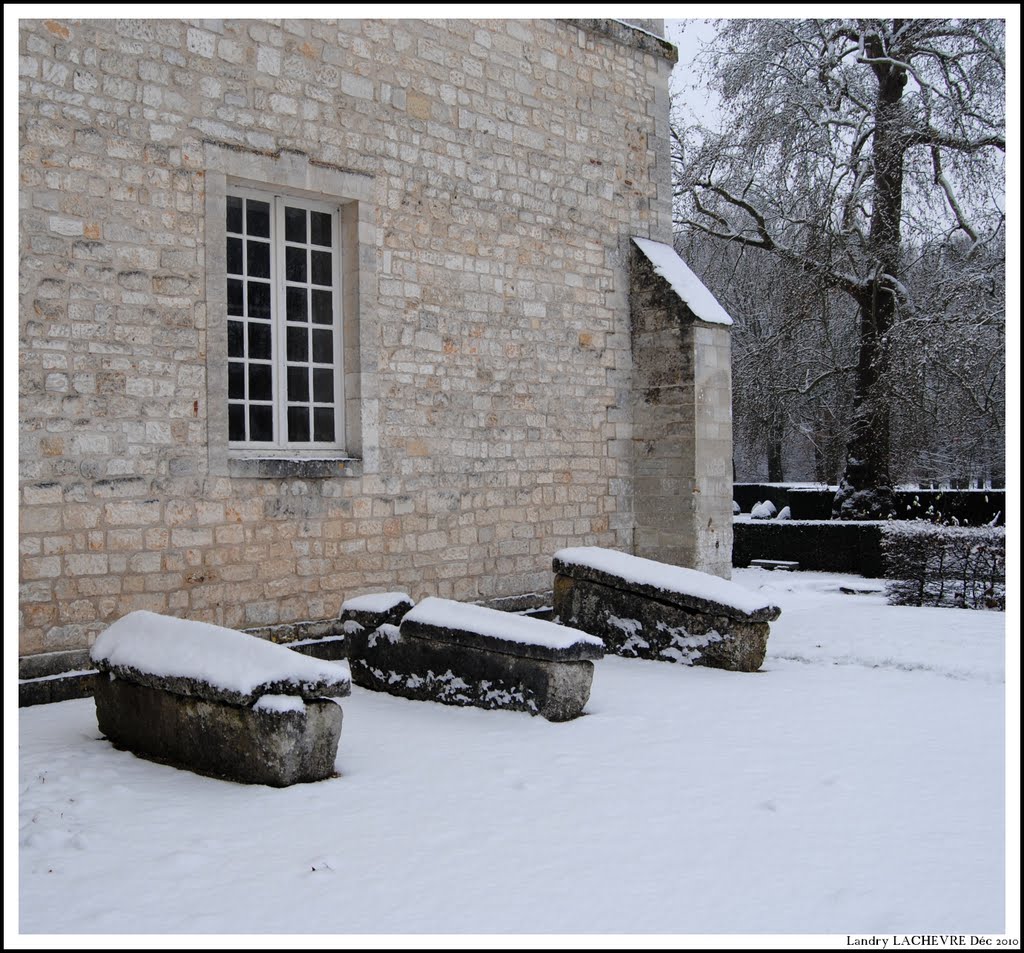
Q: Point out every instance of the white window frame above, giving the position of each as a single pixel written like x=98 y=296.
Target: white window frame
x=293 y=174
x=280 y=445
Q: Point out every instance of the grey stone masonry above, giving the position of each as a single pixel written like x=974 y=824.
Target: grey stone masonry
x=639 y=613
x=232 y=742
x=682 y=427
x=54 y=677
x=484 y=178
x=217 y=702
x=471 y=655
x=371 y=612
x=362 y=619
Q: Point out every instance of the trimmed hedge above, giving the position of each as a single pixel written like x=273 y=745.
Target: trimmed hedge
x=959 y=507
x=932 y=565
x=926 y=563
x=823 y=545
x=963 y=507
x=811 y=504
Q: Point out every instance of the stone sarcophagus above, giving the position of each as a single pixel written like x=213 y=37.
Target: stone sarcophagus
x=461 y=654
x=647 y=609
x=217 y=701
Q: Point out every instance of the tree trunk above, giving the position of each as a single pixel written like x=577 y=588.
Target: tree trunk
x=865 y=491
x=775 y=471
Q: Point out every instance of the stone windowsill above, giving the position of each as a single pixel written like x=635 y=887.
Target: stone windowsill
x=311 y=468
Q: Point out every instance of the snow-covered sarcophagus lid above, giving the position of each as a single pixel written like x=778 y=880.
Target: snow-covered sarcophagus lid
x=210 y=661
x=478 y=627
x=648 y=609
x=463 y=654
x=673 y=584
x=217 y=701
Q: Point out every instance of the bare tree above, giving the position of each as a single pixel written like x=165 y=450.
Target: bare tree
x=794 y=351
x=843 y=144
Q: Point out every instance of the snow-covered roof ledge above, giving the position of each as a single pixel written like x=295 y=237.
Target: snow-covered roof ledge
x=690 y=289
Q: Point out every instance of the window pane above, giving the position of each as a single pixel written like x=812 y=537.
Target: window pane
x=258 y=259
x=257 y=218
x=234 y=263
x=259 y=299
x=236 y=342
x=322 y=310
x=295 y=264
x=234 y=296
x=321 y=267
x=298 y=423
x=234 y=214
x=261 y=422
x=298 y=344
x=295 y=307
x=298 y=384
x=259 y=341
x=323 y=385
x=260 y=382
x=236 y=379
x=302 y=255
x=323 y=347
x=236 y=422
x=295 y=224
x=323 y=424
x=320 y=228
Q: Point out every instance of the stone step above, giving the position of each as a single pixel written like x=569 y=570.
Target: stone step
x=787 y=564
x=56 y=688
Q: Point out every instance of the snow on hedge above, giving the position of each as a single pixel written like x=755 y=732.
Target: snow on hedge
x=684 y=282
x=375 y=602
x=648 y=572
x=225 y=658
x=448 y=614
x=763 y=511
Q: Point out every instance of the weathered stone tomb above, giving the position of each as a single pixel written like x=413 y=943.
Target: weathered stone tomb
x=218 y=702
x=461 y=654
x=646 y=609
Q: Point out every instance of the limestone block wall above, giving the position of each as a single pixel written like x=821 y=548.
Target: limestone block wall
x=491 y=173
x=682 y=429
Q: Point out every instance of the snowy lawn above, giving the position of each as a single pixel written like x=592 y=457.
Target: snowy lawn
x=855 y=785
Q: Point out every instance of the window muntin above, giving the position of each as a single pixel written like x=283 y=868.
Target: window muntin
x=283 y=323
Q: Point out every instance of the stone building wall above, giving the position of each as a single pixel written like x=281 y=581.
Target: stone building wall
x=490 y=175
x=682 y=428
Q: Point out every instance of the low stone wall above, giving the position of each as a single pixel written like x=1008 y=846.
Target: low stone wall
x=460 y=654
x=216 y=701
x=645 y=609
x=55 y=677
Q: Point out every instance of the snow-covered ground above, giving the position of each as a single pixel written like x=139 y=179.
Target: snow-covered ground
x=854 y=785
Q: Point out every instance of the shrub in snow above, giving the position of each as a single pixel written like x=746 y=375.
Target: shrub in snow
x=784 y=514
x=933 y=565
x=953 y=507
x=763 y=511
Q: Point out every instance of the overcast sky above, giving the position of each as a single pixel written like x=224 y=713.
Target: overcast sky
x=690 y=36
